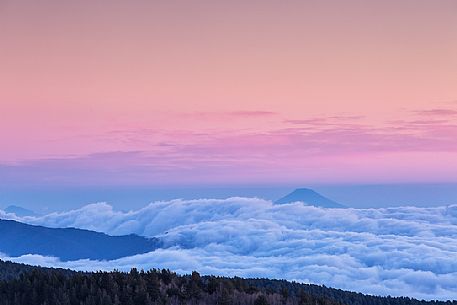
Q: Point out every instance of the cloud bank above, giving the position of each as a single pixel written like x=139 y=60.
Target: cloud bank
x=397 y=251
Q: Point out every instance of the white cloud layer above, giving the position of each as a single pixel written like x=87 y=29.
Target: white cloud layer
x=397 y=251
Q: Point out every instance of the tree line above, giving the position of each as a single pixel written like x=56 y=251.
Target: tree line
x=22 y=284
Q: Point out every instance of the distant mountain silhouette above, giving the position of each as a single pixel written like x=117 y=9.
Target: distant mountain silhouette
x=309 y=197
x=19 y=211
x=18 y=239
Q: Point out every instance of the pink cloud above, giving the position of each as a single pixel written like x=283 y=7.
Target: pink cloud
x=329 y=149
x=322 y=149
x=438 y=112
x=252 y=113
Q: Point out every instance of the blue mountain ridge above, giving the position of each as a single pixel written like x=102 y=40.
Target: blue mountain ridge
x=309 y=197
x=19 y=211
x=17 y=239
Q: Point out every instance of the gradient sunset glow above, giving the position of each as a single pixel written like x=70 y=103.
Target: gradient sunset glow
x=223 y=92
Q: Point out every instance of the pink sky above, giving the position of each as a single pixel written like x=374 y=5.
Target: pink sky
x=186 y=92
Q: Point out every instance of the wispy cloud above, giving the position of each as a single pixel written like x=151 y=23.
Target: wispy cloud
x=442 y=112
x=238 y=115
x=252 y=113
x=286 y=151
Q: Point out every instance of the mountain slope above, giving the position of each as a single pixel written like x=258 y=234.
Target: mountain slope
x=19 y=211
x=18 y=239
x=309 y=197
x=23 y=284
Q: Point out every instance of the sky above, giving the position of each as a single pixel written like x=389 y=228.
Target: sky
x=131 y=102
x=165 y=93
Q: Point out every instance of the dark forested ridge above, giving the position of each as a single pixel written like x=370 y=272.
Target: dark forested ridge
x=18 y=239
x=23 y=284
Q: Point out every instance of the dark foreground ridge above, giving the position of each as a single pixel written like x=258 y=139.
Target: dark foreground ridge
x=18 y=239
x=309 y=197
x=23 y=284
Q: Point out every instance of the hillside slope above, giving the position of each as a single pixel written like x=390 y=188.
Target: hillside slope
x=18 y=239
x=57 y=286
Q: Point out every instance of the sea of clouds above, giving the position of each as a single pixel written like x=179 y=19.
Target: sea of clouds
x=405 y=251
